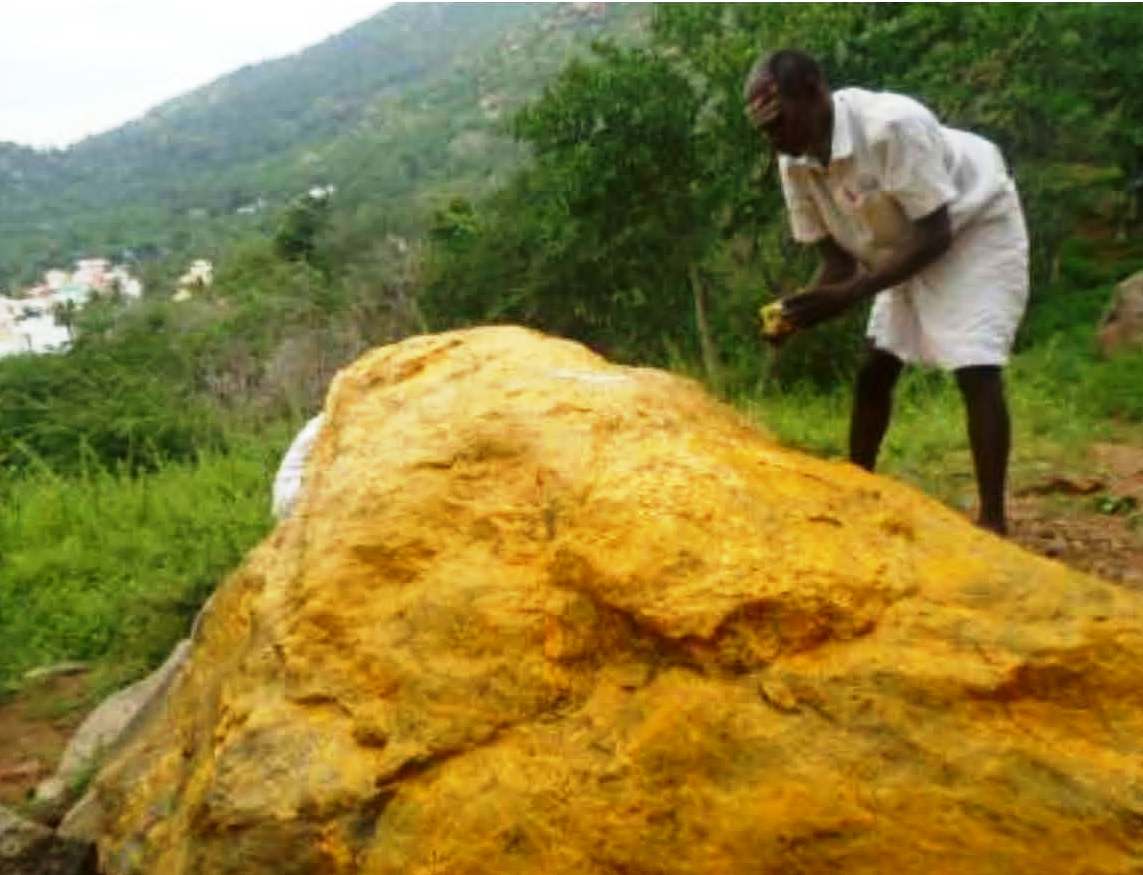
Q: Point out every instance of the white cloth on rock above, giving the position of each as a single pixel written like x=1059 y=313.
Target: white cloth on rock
x=291 y=473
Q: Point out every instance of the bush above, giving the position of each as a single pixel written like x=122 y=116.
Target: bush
x=107 y=566
x=92 y=407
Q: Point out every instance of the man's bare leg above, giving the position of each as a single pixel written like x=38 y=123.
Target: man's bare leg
x=872 y=406
x=990 y=435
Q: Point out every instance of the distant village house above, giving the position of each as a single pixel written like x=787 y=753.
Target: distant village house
x=37 y=319
x=199 y=276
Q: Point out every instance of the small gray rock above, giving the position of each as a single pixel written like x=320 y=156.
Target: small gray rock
x=1122 y=324
x=27 y=848
x=102 y=730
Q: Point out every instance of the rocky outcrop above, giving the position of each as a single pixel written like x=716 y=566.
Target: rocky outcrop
x=103 y=730
x=538 y=613
x=1122 y=325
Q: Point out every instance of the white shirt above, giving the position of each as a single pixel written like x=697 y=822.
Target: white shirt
x=891 y=162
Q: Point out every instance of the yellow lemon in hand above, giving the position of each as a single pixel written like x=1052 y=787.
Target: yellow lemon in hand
x=774 y=321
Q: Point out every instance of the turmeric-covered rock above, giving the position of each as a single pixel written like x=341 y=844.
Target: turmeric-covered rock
x=538 y=613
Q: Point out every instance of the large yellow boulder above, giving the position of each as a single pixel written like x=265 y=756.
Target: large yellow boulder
x=537 y=613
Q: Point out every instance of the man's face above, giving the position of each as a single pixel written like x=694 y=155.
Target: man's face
x=785 y=122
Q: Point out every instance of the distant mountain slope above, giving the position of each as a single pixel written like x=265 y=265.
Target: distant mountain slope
x=380 y=108
x=262 y=109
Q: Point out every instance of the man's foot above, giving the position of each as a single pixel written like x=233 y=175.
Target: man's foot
x=997 y=527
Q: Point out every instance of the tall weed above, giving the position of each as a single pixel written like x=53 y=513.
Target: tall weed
x=107 y=566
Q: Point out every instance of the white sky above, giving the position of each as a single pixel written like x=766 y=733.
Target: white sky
x=70 y=68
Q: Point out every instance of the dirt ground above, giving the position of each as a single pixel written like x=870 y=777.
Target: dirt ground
x=1106 y=546
x=35 y=727
x=1092 y=522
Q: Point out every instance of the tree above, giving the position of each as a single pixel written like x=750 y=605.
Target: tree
x=650 y=213
x=597 y=239
x=303 y=220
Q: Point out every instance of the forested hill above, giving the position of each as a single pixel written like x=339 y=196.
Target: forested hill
x=266 y=131
x=264 y=108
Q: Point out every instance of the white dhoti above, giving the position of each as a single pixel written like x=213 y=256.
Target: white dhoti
x=964 y=309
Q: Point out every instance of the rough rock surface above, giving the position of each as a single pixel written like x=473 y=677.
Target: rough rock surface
x=1122 y=325
x=27 y=848
x=538 y=613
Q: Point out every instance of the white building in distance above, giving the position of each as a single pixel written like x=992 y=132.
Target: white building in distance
x=37 y=321
x=199 y=276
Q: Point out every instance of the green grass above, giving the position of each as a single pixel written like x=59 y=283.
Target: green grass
x=1062 y=398
x=110 y=568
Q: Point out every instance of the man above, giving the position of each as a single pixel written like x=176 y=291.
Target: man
x=924 y=217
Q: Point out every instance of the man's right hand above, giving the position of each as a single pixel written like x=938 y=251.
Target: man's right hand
x=764 y=107
x=825 y=301
x=774 y=325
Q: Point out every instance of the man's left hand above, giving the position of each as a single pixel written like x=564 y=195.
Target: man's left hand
x=824 y=301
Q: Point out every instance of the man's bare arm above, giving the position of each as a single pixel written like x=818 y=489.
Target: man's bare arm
x=928 y=240
x=836 y=264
